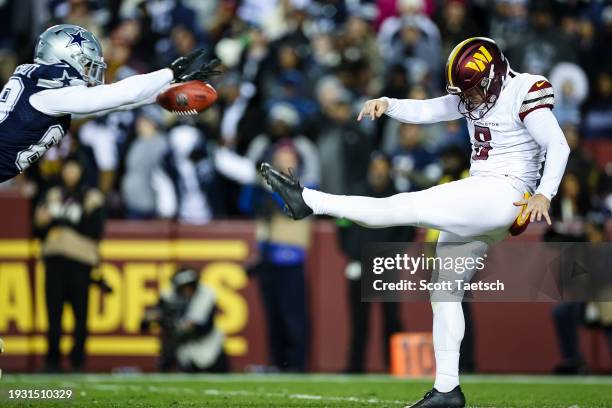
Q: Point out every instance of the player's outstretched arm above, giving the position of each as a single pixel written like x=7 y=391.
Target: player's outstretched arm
x=413 y=111
x=544 y=128
x=129 y=93
x=136 y=90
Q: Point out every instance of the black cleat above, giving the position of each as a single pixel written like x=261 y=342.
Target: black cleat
x=290 y=190
x=437 y=399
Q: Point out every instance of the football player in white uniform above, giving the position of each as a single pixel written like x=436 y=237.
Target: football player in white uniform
x=512 y=130
x=67 y=78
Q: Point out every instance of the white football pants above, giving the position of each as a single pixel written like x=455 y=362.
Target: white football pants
x=471 y=213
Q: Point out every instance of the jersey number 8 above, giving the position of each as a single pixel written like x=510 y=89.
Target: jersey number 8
x=481 y=144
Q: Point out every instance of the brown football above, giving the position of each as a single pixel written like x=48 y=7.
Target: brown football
x=187 y=98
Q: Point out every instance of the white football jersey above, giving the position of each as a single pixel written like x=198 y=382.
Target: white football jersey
x=501 y=143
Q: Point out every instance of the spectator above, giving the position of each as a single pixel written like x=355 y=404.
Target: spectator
x=509 y=22
x=581 y=163
x=240 y=112
x=191 y=170
x=81 y=13
x=157 y=19
x=542 y=45
x=418 y=52
x=455 y=24
x=281 y=268
x=70 y=221
x=573 y=201
x=343 y=147
x=597 y=119
x=599 y=55
x=409 y=11
x=414 y=166
x=353 y=239
x=283 y=124
x=143 y=168
x=572 y=88
x=569 y=210
x=359 y=38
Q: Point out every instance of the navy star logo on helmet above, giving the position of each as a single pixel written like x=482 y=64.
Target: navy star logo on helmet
x=77 y=38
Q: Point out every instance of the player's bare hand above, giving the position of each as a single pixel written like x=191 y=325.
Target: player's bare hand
x=374 y=108
x=538 y=206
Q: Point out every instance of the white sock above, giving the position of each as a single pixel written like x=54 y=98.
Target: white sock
x=448 y=330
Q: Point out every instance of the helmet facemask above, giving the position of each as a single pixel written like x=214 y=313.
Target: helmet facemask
x=481 y=91
x=93 y=70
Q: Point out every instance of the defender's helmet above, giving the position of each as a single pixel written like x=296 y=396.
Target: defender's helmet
x=476 y=65
x=74 y=46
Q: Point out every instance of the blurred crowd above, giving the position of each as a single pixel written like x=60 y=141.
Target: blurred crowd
x=295 y=74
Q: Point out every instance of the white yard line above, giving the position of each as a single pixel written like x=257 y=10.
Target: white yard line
x=245 y=393
x=237 y=393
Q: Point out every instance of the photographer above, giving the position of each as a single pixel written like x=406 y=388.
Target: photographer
x=185 y=314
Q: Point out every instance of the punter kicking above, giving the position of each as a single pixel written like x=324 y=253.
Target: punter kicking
x=512 y=130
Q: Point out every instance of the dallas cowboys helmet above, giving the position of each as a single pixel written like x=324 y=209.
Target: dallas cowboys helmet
x=74 y=46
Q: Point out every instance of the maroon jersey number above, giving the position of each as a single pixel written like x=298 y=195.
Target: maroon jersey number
x=481 y=144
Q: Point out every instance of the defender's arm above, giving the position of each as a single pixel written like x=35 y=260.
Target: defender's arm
x=131 y=92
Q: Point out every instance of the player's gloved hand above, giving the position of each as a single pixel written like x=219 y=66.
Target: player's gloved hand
x=374 y=108
x=205 y=72
x=537 y=206
x=193 y=66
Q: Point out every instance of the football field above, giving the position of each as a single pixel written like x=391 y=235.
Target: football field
x=316 y=390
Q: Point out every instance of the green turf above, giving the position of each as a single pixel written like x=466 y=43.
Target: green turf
x=250 y=390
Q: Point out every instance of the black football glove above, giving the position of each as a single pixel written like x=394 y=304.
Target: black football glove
x=194 y=67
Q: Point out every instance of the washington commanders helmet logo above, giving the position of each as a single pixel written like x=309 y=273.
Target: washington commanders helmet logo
x=479 y=60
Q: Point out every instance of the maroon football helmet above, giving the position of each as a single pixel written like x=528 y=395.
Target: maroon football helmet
x=476 y=70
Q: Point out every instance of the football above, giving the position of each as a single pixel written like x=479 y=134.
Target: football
x=188 y=98
x=522 y=221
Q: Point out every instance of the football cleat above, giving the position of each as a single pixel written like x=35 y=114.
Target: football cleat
x=437 y=399
x=290 y=190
